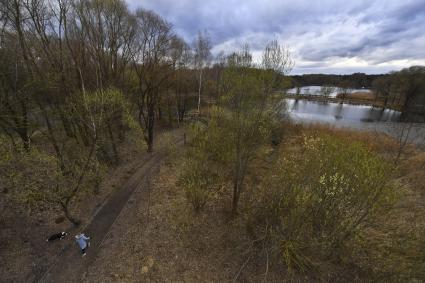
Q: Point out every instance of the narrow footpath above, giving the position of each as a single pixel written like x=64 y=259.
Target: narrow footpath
x=69 y=265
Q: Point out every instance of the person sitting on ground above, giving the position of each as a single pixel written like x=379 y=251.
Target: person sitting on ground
x=83 y=242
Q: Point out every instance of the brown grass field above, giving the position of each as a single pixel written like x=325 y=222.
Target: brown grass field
x=160 y=239
x=359 y=96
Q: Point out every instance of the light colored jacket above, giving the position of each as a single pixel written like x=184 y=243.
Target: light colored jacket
x=81 y=240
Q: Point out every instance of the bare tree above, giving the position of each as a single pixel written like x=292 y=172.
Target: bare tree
x=247 y=93
x=182 y=58
x=326 y=90
x=202 y=48
x=412 y=86
x=16 y=72
x=50 y=51
x=277 y=58
x=108 y=29
x=383 y=88
x=14 y=94
x=152 y=67
x=343 y=90
x=404 y=136
x=218 y=68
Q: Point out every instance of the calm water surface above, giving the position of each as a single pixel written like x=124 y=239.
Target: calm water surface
x=316 y=90
x=359 y=117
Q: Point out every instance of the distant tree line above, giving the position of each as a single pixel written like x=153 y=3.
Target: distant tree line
x=403 y=90
x=356 y=80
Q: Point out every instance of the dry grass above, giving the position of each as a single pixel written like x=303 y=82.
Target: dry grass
x=411 y=165
x=376 y=142
x=404 y=224
x=358 y=96
x=229 y=241
x=410 y=169
x=158 y=238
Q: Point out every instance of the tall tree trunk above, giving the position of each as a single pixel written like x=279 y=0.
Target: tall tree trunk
x=67 y=125
x=150 y=128
x=83 y=134
x=159 y=113
x=387 y=96
x=65 y=204
x=199 y=92
x=51 y=136
x=170 y=114
x=24 y=126
x=181 y=114
x=114 y=147
x=25 y=138
x=235 y=198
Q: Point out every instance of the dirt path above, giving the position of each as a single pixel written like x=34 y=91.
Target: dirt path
x=69 y=265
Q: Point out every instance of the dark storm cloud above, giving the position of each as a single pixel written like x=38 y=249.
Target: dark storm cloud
x=327 y=35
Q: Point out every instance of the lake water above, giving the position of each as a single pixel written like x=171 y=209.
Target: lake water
x=358 y=117
x=316 y=90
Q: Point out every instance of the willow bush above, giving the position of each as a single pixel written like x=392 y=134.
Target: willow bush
x=317 y=201
x=199 y=176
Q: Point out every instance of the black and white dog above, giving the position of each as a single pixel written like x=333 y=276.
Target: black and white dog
x=56 y=236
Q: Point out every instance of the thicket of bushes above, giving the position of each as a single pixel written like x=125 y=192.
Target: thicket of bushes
x=318 y=206
x=317 y=203
x=326 y=208
x=53 y=177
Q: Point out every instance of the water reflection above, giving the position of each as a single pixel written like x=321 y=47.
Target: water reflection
x=352 y=116
x=339 y=112
x=317 y=90
x=344 y=113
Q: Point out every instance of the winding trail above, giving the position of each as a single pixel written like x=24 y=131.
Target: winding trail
x=69 y=265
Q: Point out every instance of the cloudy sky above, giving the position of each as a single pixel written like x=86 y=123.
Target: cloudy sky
x=324 y=36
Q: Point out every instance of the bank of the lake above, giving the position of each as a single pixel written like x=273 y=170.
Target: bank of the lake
x=354 y=116
x=332 y=91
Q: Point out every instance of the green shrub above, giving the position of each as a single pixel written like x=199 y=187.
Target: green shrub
x=35 y=179
x=197 y=183
x=319 y=200
x=198 y=176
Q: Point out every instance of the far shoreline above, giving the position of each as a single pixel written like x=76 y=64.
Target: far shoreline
x=347 y=100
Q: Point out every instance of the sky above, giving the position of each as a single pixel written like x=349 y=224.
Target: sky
x=323 y=36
